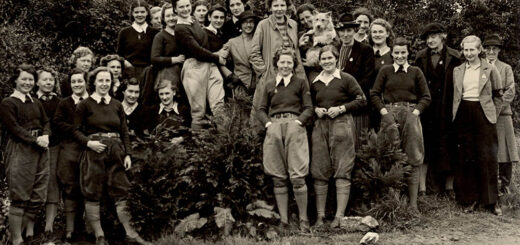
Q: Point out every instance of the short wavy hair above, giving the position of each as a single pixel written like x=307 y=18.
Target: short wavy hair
x=386 y=25
x=140 y=3
x=362 y=11
x=330 y=48
x=473 y=39
x=19 y=69
x=39 y=73
x=285 y=51
x=163 y=12
x=93 y=74
x=79 y=52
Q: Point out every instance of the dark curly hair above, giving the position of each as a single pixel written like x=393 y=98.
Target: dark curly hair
x=285 y=51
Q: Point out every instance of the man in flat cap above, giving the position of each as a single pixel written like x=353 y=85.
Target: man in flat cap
x=437 y=62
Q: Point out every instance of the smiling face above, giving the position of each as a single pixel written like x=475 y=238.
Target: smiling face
x=347 y=35
x=285 y=65
x=156 y=19
x=379 y=34
x=471 y=50
x=131 y=94
x=236 y=7
x=200 y=13
x=434 y=41
x=305 y=18
x=248 y=26
x=166 y=95
x=24 y=82
x=84 y=63
x=328 y=61
x=45 y=82
x=492 y=52
x=170 y=18
x=78 y=84
x=400 y=54
x=114 y=66
x=139 y=14
x=183 y=8
x=279 y=8
x=217 y=19
x=364 y=23
x=103 y=82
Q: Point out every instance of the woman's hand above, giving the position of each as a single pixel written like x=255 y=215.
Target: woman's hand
x=416 y=112
x=178 y=59
x=383 y=111
x=127 y=162
x=320 y=111
x=96 y=146
x=43 y=141
x=221 y=60
x=335 y=111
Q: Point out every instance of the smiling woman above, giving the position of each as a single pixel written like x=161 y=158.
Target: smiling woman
x=134 y=42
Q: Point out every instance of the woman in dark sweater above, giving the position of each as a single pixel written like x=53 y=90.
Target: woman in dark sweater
x=335 y=95
x=27 y=131
x=166 y=53
x=134 y=42
x=100 y=126
x=400 y=94
x=200 y=76
x=69 y=149
x=380 y=36
x=231 y=27
x=49 y=99
x=284 y=107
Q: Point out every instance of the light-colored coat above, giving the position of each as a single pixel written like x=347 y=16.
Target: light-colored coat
x=240 y=50
x=489 y=85
x=508 y=81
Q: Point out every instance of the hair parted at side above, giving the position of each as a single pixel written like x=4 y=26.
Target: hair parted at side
x=330 y=48
x=19 y=69
x=75 y=71
x=131 y=82
x=140 y=3
x=93 y=75
x=387 y=26
x=285 y=51
x=163 y=11
x=401 y=41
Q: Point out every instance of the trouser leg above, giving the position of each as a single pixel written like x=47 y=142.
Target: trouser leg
x=413 y=186
x=505 y=172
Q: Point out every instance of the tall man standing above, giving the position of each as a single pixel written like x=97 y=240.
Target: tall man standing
x=437 y=62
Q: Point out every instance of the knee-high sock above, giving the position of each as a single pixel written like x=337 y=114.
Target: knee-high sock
x=51 y=209
x=321 y=188
x=70 y=214
x=92 y=210
x=422 y=178
x=413 y=186
x=125 y=217
x=281 y=194
x=300 y=194
x=342 y=196
x=15 y=223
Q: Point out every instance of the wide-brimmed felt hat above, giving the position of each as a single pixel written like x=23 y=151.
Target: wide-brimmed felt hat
x=346 y=21
x=492 y=40
x=432 y=28
x=247 y=15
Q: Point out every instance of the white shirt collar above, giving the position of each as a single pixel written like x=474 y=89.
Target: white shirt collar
x=140 y=28
x=235 y=19
x=175 y=107
x=212 y=29
x=97 y=98
x=474 y=67
x=39 y=94
x=405 y=66
x=17 y=94
x=75 y=98
x=287 y=80
x=326 y=79
x=129 y=108
x=386 y=50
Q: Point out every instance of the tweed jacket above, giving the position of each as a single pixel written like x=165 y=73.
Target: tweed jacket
x=266 y=41
x=490 y=86
x=240 y=53
x=508 y=81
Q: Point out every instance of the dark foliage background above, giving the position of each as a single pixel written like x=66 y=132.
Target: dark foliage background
x=221 y=169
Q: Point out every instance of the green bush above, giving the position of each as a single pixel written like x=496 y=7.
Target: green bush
x=221 y=167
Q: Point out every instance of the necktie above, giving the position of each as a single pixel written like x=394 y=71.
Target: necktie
x=282 y=83
x=377 y=55
x=103 y=101
x=28 y=99
x=401 y=68
x=46 y=97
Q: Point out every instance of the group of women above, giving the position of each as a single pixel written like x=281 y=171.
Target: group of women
x=181 y=72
